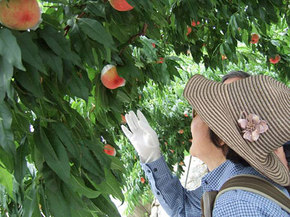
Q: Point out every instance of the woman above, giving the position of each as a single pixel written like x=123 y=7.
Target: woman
x=237 y=129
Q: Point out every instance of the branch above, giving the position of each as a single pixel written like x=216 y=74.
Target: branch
x=67 y=27
x=134 y=37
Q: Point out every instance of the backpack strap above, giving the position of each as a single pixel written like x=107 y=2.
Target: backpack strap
x=249 y=183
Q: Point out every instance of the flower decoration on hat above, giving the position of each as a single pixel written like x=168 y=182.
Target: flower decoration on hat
x=252 y=126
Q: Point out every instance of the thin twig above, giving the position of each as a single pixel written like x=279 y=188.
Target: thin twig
x=67 y=27
x=134 y=37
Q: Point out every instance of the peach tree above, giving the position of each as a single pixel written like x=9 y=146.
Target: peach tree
x=57 y=117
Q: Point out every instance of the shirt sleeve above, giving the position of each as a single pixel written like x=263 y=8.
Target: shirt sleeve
x=175 y=200
x=241 y=203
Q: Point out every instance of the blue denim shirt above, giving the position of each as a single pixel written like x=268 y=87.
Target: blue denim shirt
x=178 y=201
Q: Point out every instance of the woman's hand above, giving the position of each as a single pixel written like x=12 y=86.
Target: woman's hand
x=142 y=136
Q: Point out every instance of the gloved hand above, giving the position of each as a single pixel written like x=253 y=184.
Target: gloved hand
x=142 y=136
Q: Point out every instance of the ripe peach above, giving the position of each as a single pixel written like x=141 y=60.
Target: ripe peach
x=20 y=14
x=110 y=77
x=275 y=60
x=153 y=45
x=109 y=150
x=193 y=23
x=224 y=57
x=255 y=38
x=123 y=119
x=121 y=5
x=181 y=163
x=161 y=59
x=181 y=131
x=188 y=30
x=142 y=180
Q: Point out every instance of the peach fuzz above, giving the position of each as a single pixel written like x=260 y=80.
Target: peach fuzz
x=121 y=5
x=20 y=14
x=110 y=77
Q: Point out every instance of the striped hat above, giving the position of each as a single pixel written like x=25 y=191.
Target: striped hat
x=221 y=105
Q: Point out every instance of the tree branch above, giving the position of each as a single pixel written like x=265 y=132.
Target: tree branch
x=134 y=37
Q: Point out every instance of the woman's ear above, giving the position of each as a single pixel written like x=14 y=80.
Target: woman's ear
x=221 y=142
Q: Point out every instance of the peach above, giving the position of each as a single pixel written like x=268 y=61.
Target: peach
x=181 y=131
x=123 y=119
x=110 y=77
x=161 y=60
x=224 y=57
x=109 y=150
x=20 y=14
x=142 y=180
x=189 y=29
x=121 y=5
x=275 y=60
x=255 y=38
x=193 y=23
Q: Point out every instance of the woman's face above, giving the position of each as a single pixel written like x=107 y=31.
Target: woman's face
x=202 y=147
x=201 y=142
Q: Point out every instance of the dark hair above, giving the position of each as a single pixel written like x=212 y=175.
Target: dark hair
x=228 y=152
x=235 y=74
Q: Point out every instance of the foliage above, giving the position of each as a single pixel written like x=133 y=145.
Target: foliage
x=56 y=116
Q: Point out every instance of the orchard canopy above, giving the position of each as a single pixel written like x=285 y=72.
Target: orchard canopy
x=70 y=69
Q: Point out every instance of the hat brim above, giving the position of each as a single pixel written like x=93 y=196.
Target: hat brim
x=213 y=102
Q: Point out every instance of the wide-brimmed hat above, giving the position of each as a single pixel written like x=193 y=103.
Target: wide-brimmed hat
x=251 y=115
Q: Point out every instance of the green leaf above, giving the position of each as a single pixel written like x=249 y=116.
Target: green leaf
x=53 y=61
x=123 y=97
x=117 y=165
x=96 y=8
x=9 y=48
x=30 y=52
x=54 y=153
x=59 y=44
x=96 y=31
x=6 y=74
x=6 y=179
x=66 y=137
x=20 y=161
x=105 y=205
x=111 y=186
x=79 y=186
x=30 y=80
x=30 y=205
x=6 y=160
x=6 y=134
x=58 y=205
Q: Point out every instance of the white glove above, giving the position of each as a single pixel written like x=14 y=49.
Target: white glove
x=142 y=136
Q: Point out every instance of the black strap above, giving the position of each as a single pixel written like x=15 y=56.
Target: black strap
x=248 y=183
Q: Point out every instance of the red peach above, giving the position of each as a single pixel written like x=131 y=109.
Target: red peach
x=188 y=30
x=109 y=150
x=255 y=38
x=121 y=5
x=275 y=60
x=161 y=59
x=142 y=180
x=181 y=131
x=20 y=14
x=123 y=119
x=110 y=77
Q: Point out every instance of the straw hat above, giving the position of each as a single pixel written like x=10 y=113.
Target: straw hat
x=251 y=115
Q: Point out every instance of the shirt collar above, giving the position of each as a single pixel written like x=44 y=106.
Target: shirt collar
x=214 y=180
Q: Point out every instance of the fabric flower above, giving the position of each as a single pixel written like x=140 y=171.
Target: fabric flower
x=252 y=126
